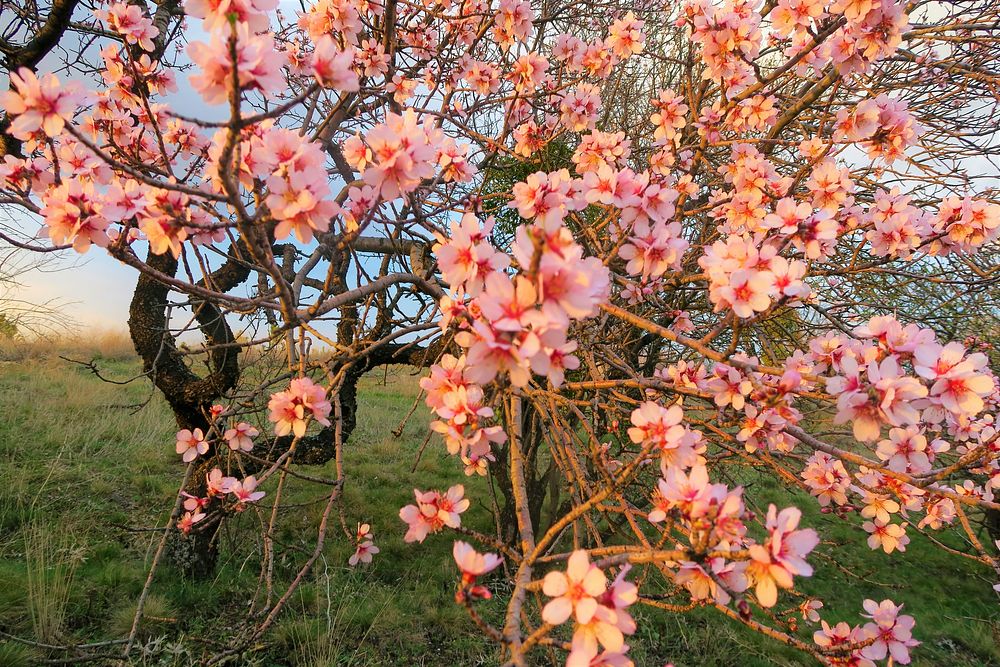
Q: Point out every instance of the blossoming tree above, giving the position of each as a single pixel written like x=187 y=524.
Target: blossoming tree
x=637 y=247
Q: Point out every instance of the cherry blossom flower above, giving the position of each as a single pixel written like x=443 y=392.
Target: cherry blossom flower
x=625 y=37
x=810 y=610
x=574 y=592
x=887 y=536
x=188 y=520
x=241 y=436
x=827 y=479
x=702 y=586
x=129 y=21
x=875 y=394
x=216 y=13
x=472 y=565
x=966 y=225
x=332 y=67
x=579 y=108
x=653 y=250
x=513 y=22
x=363 y=553
x=892 y=632
x=258 y=64
x=403 y=154
x=782 y=555
x=365 y=547
x=433 y=511
x=73 y=215
x=291 y=409
x=878 y=507
x=746 y=293
x=839 y=637
x=670 y=116
x=191 y=444
x=905 y=451
x=328 y=16
x=661 y=427
x=39 y=103
x=959 y=382
x=216 y=484
x=245 y=491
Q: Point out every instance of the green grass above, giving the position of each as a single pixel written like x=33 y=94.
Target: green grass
x=83 y=475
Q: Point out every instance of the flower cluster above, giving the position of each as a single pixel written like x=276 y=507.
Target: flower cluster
x=459 y=403
x=888 y=634
x=364 y=545
x=433 y=511
x=218 y=486
x=291 y=409
x=298 y=187
x=598 y=609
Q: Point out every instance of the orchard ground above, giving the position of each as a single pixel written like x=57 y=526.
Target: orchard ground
x=87 y=471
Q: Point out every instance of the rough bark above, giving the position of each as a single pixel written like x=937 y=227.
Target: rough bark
x=188 y=395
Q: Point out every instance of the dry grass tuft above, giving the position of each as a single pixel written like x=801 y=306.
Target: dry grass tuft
x=97 y=344
x=51 y=558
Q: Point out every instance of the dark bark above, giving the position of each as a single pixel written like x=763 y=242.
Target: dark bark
x=188 y=395
x=538 y=479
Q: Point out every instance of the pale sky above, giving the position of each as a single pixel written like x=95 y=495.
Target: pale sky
x=96 y=290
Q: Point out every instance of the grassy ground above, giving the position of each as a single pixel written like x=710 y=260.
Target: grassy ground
x=83 y=471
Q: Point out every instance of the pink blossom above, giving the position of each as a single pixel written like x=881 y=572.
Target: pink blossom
x=746 y=293
x=892 y=632
x=188 y=519
x=702 y=586
x=625 y=36
x=216 y=484
x=579 y=108
x=130 y=22
x=875 y=394
x=241 y=436
x=472 y=565
x=878 y=507
x=403 y=154
x=34 y=174
x=39 y=104
x=574 y=592
x=332 y=67
x=669 y=118
x=887 y=536
x=299 y=191
x=960 y=382
x=258 y=64
x=363 y=553
x=827 y=479
x=73 y=215
x=513 y=22
x=433 y=511
x=654 y=249
x=905 y=451
x=329 y=16
x=191 y=444
x=292 y=408
x=782 y=555
x=245 y=491
x=661 y=428
x=467 y=258
x=216 y=13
